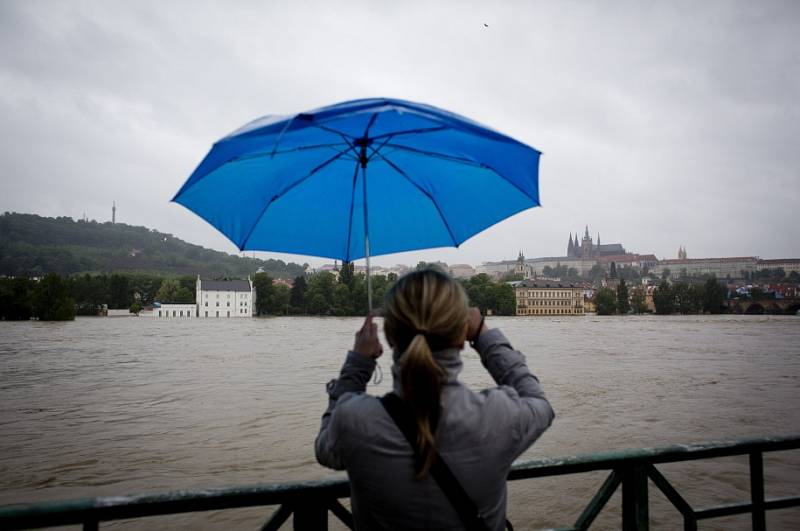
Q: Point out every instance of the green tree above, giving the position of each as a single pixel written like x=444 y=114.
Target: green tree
x=638 y=300
x=342 y=300
x=664 y=299
x=265 y=291
x=687 y=298
x=665 y=273
x=135 y=308
x=321 y=284
x=623 y=306
x=119 y=292
x=15 y=299
x=168 y=292
x=346 y=274
x=794 y=277
x=605 y=301
x=505 y=299
x=317 y=304
x=479 y=290
x=281 y=296
x=297 y=297
x=713 y=296
x=51 y=300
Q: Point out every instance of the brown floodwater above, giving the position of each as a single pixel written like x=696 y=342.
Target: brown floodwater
x=111 y=406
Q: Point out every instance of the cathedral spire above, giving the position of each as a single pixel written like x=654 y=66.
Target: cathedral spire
x=570 y=246
x=586 y=235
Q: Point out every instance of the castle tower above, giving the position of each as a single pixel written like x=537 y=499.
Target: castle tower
x=586 y=245
x=113 y=212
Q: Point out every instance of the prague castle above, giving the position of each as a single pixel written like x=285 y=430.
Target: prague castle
x=582 y=254
x=589 y=250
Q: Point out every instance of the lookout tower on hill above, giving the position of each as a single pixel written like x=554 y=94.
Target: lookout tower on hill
x=113 y=212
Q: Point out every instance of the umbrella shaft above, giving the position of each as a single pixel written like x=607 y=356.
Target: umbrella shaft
x=366 y=233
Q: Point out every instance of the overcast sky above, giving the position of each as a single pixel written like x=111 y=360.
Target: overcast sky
x=663 y=124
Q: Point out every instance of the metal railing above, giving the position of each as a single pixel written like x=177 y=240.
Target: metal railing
x=310 y=501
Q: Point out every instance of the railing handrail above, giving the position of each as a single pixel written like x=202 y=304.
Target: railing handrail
x=106 y=508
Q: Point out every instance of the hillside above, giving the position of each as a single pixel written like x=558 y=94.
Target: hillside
x=35 y=245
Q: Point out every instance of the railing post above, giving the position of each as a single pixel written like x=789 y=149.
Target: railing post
x=757 y=491
x=310 y=514
x=635 y=511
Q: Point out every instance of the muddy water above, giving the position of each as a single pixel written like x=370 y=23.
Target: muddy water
x=107 y=406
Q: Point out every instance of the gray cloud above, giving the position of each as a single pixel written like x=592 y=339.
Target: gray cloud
x=662 y=125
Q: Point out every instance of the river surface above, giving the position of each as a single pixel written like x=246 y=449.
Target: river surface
x=111 y=406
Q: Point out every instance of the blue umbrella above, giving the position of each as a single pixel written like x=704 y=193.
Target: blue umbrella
x=360 y=178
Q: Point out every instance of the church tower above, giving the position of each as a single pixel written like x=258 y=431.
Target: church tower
x=570 y=247
x=520 y=268
x=586 y=245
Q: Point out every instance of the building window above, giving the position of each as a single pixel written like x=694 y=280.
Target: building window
x=206 y=303
x=206 y=313
x=229 y=304
x=217 y=303
x=181 y=313
x=217 y=313
x=229 y=313
x=173 y=313
x=159 y=313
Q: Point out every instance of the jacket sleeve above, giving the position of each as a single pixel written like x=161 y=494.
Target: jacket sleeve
x=531 y=411
x=333 y=446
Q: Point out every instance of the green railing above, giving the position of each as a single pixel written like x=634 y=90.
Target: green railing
x=309 y=502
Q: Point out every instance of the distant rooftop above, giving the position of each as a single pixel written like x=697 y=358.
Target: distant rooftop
x=224 y=285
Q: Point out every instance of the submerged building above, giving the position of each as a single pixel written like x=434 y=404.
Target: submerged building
x=541 y=298
x=225 y=298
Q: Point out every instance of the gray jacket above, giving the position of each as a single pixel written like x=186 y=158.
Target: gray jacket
x=479 y=436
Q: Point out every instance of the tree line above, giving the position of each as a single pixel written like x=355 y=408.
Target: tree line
x=680 y=297
x=32 y=245
x=323 y=294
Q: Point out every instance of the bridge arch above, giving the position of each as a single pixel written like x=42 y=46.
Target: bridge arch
x=773 y=309
x=755 y=309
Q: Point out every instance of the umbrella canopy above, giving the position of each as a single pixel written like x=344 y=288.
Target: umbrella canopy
x=360 y=178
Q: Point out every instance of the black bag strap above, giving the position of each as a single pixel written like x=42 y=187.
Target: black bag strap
x=455 y=493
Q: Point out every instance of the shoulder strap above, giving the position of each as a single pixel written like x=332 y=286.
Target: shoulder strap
x=455 y=493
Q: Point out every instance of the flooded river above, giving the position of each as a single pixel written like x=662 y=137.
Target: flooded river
x=107 y=406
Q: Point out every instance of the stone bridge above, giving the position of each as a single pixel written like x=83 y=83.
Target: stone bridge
x=765 y=306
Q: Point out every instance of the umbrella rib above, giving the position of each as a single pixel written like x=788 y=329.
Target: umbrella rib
x=417 y=131
x=335 y=131
x=284 y=191
x=425 y=192
x=435 y=154
x=248 y=156
x=460 y=160
x=350 y=219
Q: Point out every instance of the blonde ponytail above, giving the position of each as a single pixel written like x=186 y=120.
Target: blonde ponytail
x=421 y=380
x=425 y=311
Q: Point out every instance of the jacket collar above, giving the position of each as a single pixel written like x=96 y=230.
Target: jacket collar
x=448 y=359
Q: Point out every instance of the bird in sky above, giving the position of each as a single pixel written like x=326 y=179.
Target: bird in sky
x=485 y=25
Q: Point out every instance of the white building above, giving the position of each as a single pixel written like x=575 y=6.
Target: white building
x=461 y=271
x=225 y=298
x=174 y=311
